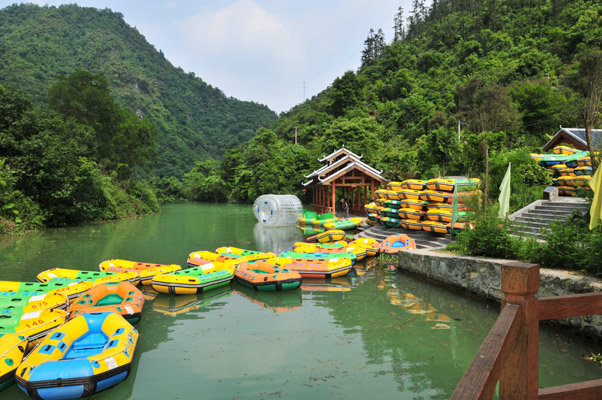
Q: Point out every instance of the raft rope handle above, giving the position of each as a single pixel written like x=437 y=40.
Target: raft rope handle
x=16 y=345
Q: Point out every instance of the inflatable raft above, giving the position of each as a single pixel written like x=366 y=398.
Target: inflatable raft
x=244 y=255
x=445 y=215
x=34 y=325
x=410 y=213
x=336 y=247
x=122 y=298
x=144 y=271
x=296 y=254
x=96 y=277
x=390 y=222
x=414 y=184
x=196 y=279
x=71 y=289
x=411 y=224
x=267 y=277
x=371 y=245
x=410 y=194
x=32 y=303
x=12 y=349
x=396 y=243
x=345 y=224
x=90 y=353
x=413 y=204
x=332 y=235
x=316 y=267
x=448 y=185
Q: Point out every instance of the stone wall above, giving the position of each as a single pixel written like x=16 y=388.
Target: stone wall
x=482 y=276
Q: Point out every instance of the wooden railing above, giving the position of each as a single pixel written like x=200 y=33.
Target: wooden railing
x=510 y=353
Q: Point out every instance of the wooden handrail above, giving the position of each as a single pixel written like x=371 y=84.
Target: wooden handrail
x=480 y=379
x=575 y=391
x=510 y=351
x=571 y=305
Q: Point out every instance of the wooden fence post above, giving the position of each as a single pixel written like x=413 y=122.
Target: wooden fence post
x=519 y=378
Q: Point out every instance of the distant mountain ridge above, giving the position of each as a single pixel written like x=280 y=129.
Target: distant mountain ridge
x=195 y=121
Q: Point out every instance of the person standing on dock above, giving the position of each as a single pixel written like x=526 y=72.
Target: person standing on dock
x=346 y=208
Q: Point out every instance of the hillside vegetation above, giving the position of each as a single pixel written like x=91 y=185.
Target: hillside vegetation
x=505 y=72
x=194 y=120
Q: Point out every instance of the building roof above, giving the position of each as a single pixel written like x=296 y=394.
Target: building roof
x=339 y=152
x=575 y=137
x=340 y=167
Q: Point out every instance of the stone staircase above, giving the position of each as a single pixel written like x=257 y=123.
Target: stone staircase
x=537 y=216
x=424 y=240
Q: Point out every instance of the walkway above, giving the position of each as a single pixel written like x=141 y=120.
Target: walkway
x=424 y=240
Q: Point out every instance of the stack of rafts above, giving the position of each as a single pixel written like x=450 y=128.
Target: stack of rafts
x=424 y=205
x=572 y=168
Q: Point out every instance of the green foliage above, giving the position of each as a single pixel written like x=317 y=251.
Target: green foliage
x=18 y=212
x=120 y=139
x=49 y=174
x=572 y=246
x=527 y=178
x=490 y=237
x=569 y=246
x=193 y=120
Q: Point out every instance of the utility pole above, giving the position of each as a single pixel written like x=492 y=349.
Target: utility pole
x=295 y=135
x=304 y=87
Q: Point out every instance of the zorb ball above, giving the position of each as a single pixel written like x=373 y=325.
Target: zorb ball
x=278 y=209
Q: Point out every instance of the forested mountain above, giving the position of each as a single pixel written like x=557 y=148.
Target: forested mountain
x=194 y=120
x=462 y=81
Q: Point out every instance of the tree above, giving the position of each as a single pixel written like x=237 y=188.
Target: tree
x=441 y=147
x=589 y=84
x=121 y=140
x=344 y=93
x=398 y=29
x=541 y=106
x=374 y=47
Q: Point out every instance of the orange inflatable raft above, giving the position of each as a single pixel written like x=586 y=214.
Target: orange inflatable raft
x=396 y=243
x=316 y=267
x=266 y=277
x=120 y=297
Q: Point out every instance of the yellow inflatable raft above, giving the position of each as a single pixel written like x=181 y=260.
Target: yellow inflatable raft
x=95 y=277
x=90 y=353
x=12 y=350
x=144 y=271
x=34 y=325
x=196 y=279
x=71 y=289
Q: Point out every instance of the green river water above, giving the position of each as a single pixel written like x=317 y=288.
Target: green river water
x=375 y=334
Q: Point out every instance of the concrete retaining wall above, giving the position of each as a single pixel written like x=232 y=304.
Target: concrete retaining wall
x=482 y=276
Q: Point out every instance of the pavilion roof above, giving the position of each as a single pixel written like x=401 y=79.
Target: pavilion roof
x=340 y=167
x=339 y=152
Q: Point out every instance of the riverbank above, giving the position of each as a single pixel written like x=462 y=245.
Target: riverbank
x=482 y=276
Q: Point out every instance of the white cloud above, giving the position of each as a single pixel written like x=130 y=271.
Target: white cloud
x=247 y=35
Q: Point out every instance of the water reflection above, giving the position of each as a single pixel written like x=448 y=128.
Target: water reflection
x=278 y=302
x=276 y=239
x=174 y=305
x=338 y=284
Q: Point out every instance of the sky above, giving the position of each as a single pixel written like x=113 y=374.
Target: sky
x=273 y=52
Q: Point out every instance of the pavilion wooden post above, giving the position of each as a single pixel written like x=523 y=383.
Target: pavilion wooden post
x=519 y=376
x=334 y=208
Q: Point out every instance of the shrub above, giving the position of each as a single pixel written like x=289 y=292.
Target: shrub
x=490 y=237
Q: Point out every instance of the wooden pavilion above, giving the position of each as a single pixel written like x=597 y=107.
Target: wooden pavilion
x=344 y=176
